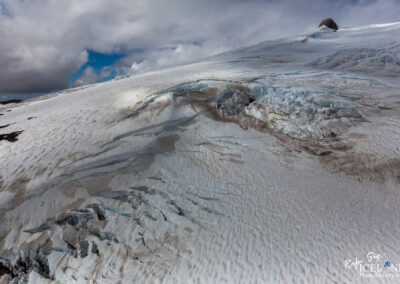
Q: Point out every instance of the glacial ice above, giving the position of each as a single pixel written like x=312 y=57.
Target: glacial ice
x=268 y=164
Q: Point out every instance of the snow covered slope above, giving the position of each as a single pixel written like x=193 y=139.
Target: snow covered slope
x=276 y=163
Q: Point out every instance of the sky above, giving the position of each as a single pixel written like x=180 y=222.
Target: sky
x=48 y=45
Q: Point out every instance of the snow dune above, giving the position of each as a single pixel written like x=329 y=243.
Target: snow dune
x=273 y=163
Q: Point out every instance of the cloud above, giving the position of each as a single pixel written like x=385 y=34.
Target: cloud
x=45 y=41
x=89 y=76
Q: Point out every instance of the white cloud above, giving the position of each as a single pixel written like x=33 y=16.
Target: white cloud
x=42 y=42
x=89 y=76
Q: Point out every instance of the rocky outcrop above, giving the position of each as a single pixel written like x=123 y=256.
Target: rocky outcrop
x=329 y=23
x=24 y=264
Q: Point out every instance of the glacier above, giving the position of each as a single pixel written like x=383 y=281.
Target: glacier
x=274 y=163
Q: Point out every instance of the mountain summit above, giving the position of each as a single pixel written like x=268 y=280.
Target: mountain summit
x=329 y=23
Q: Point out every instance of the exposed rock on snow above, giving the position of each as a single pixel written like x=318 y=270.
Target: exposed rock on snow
x=20 y=266
x=329 y=23
x=233 y=101
x=295 y=112
x=10 y=137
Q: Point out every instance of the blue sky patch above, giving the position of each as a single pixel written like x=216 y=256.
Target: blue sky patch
x=97 y=61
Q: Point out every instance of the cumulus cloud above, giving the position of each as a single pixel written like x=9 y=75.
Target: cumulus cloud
x=89 y=76
x=45 y=41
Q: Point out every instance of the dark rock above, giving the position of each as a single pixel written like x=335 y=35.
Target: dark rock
x=41 y=228
x=24 y=265
x=41 y=265
x=95 y=249
x=71 y=219
x=76 y=220
x=329 y=23
x=21 y=268
x=232 y=102
x=6 y=268
x=10 y=137
x=100 y=212
x=10 y=102
x=84 y=248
